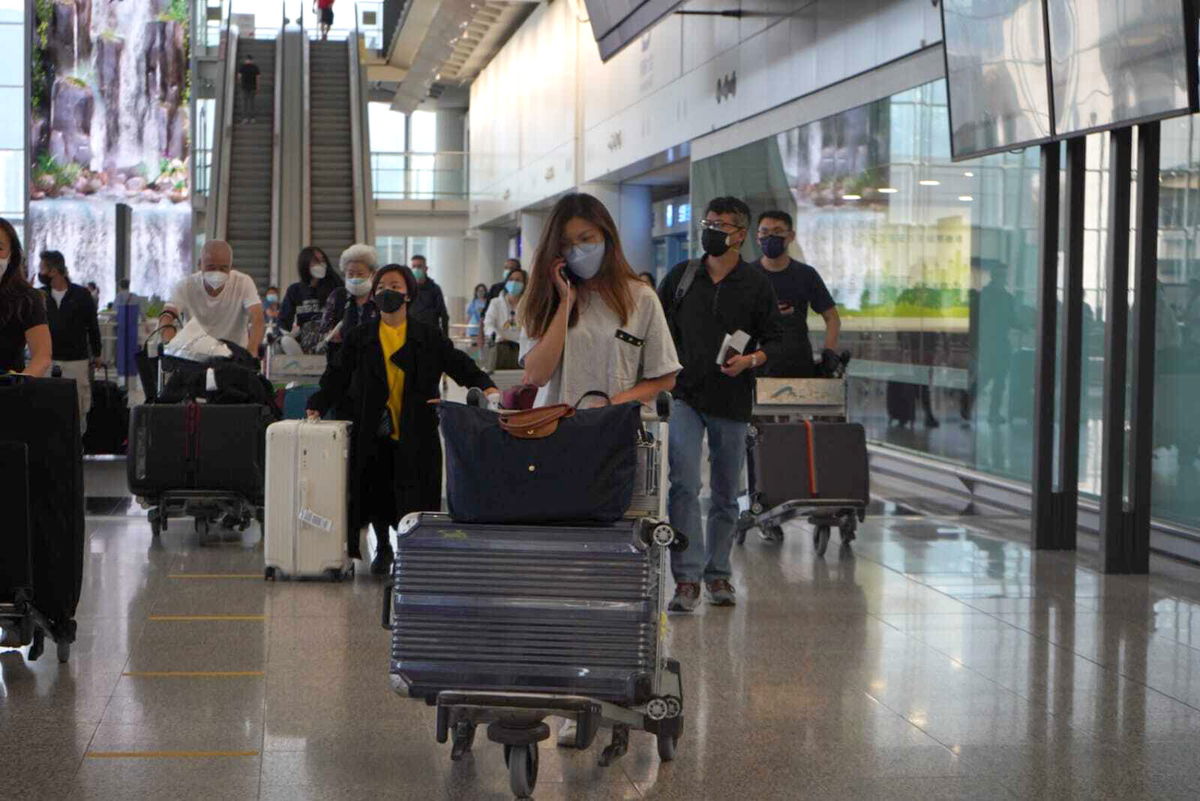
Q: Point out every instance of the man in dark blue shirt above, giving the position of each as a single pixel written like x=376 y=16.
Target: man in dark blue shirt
x=797 y=288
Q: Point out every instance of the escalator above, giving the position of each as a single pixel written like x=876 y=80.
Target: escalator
x=332 y=186
x=248 y=222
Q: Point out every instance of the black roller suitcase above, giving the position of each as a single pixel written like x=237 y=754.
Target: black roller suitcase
x=108 y=419
x=902 y=402
x=16 y=546
x=42 y=414
x=196 y=446
x=532 y=609
x=822 y=462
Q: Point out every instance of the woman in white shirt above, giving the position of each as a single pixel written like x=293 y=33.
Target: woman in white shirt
x=500 y=322
x=587 y=322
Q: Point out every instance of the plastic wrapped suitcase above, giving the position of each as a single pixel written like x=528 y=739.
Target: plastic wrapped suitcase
x=306 y=500
x=554 y=609
x=196 y=446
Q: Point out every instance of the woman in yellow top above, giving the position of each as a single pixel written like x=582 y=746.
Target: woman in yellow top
x=385 y=380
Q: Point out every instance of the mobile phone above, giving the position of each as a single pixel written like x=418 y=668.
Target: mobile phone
x=569 y=274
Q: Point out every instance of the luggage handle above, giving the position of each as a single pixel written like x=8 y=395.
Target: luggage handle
x=594 y=393
x=536 y=423
x=386 y=620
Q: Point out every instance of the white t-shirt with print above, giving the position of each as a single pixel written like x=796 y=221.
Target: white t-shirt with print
x=226 y=316
x=501 y=320
x=601 y=354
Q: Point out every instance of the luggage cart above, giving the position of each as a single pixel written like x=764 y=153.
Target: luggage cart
x=208 y=508
x=517 y=720
x=795 y=400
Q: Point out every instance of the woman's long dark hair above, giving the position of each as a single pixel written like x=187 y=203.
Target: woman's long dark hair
x=14 y=288
x=612 y=284
x=304 y=263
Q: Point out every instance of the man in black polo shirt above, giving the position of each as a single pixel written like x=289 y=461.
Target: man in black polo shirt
x=248 y=73
x=706 y=300
x=797 y=287
x=74 y=329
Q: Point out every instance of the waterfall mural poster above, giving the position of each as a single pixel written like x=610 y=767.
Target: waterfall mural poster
x=110 y=124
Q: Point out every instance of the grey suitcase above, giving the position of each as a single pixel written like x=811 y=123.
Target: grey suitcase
x=533 y=609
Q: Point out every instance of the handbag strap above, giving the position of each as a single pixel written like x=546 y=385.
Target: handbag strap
x=595 y=393
x=535 y=423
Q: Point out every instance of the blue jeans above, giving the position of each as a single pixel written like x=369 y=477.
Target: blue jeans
x=705 y=557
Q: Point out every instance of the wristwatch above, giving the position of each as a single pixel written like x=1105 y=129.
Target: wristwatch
x=754 y=360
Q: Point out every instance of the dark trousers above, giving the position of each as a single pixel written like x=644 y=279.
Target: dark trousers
x=247 y=96
x=381 y=493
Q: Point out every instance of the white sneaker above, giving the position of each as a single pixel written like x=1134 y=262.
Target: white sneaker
x=566 y=733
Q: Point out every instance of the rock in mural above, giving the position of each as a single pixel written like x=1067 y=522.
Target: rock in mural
x=110 y=124
x=110 y=100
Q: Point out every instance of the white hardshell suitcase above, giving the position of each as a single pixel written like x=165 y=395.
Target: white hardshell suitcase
x=306 y=511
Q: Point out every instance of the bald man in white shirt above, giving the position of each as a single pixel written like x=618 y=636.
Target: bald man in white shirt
x=224 y=301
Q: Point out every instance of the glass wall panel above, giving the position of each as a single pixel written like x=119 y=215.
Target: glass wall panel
x=933 y=265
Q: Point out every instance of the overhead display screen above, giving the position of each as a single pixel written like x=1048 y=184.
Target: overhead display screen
x=996 y=73
x=616 y=23
x=1115 y=62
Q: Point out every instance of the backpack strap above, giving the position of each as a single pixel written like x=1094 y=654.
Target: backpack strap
x=685 y=283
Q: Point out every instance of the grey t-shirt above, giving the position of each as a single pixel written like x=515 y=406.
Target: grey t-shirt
x=601 y=354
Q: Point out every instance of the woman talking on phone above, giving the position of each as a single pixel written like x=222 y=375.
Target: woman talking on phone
x=587 y=322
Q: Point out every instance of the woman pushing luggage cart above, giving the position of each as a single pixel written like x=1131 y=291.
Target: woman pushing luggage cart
x=505 y=624
x=803 y=458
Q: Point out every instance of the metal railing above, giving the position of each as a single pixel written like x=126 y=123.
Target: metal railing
x=419 y=176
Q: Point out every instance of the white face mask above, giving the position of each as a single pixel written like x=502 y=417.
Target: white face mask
x=317 y=270
x=216 y=279
x=358 y=286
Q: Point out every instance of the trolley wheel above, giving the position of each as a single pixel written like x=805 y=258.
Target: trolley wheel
x=63 y=649
x=522 y=769
x=771 y=533
x=464 y=738
x=202 y=527
x=338 y=575
x=667 y=743
x=740 y=536
x=155 y=518
x=270 y=574
x=37 y=645
x=821 y=539
x=847 y=533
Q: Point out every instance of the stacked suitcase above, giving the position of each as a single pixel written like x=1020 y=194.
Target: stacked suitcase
x=505 y=625
x=803 y=458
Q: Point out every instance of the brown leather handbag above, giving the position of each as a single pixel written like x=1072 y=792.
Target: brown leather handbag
x=536 y=423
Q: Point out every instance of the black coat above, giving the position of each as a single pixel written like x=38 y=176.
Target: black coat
x=74 y=328
x=429 y=306
x=355 y=382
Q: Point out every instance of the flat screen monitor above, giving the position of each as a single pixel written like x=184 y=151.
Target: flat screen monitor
x=1117 y=62
x=996 y=75
x=616 y=23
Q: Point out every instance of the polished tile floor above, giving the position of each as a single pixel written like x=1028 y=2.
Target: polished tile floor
x=939 y=660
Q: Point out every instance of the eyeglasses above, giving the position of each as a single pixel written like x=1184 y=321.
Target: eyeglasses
x=717 y=225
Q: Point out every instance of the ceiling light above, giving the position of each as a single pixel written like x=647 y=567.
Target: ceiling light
x=851 y=197
x=968 y=174
x=929 y=182
x=888 y=190
x=965 y=198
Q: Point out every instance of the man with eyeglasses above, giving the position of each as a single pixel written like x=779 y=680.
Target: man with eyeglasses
x=707 y=299
x=797 y=286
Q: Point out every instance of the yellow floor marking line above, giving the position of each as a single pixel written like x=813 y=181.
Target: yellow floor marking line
x=166 y=754
x=192 y=674
x=215 y=575
x=207 y=617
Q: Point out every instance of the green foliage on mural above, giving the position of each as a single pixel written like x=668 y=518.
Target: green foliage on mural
x=39 y=91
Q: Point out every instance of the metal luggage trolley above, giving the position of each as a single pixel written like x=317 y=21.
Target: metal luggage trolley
x=209 y=508
x=796 y=400
x=516 y=720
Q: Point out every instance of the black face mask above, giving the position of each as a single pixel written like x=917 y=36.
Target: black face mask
x=714 y=242
x=45 y=280
x=389 y=300
x=773 y=246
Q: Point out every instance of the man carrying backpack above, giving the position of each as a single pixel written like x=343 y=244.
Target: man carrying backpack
x=710 y=301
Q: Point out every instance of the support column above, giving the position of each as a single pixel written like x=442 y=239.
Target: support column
x=449 y=178
x=447 y=267
x=531 y=223
x=1071 y=395
x=1145 y=314
x=491 y=249
x=1043 y=393
x=1116 y=553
